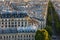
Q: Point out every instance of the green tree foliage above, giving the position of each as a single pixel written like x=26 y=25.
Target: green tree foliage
x=49 y=20
x=49 y=29
x=49 y=17
x=39 y=35
x=58 y=27
x=56 y=18
x=42 y=35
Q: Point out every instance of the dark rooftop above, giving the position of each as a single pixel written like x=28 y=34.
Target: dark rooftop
x=13 y=14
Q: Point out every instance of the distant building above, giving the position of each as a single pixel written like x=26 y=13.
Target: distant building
x=55 y=0
x=13 y=0
x=23 y=22
x=34 y=0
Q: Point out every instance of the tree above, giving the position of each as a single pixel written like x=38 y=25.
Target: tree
x=49 y=29
x=49 y=17
x=39 y=35
x=58 y=27
x=42 y=35
x=55 y=18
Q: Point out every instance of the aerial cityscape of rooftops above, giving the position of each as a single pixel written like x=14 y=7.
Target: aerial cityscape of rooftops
x=29 y=20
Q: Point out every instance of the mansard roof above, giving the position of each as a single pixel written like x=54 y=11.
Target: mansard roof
x=13 y=15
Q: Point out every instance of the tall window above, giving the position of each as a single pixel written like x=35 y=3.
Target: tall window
x=18 y=36
x=8 y=22
x=22 y=24
x=15 y=25
x=5 y=25
x=0 y=37
x=4 y=37
x=5 y=22
x=5 y=19
x=18 y=23
x=12 y=25
x=2 y=23
x=12 y=36
x=24 y=35
x=21 y=36
x=9 y=25
x=29 y=35
x=15 y=36
x=9 y=36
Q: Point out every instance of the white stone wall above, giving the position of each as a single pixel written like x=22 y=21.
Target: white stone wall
x=15 y=22
x=18 y=36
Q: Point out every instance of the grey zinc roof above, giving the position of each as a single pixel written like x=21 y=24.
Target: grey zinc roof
x=13 y=14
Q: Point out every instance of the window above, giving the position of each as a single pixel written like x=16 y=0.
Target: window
x=29 y=35
x=21 y=35
x=31 y=31
x=18 y=25
x=24 y=35
x=9 y=25
x=5 y=19
x=18 y=22
x=12 y=22
x=5 y=25
x=9 y=19
x=4 y=37
x=15 y=36
x=9 y=36
x=9 y=22
x=22 y=24
x=0 y=37
x=12 y=36
x=18 y=36
x=5 y=22
x=12 y=25
x=2 y=23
